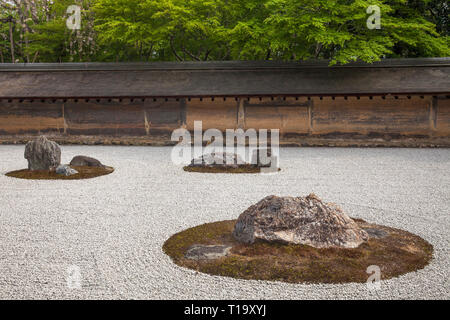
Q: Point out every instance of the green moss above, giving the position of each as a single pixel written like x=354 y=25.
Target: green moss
x=240 y=169
x=204 y=234
x=83 y=173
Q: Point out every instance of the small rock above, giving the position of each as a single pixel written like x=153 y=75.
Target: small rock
x=83 y=161
x=204 y=252
x=298 y=220
x=65 y=170
x=42 y=154
x=376 y=233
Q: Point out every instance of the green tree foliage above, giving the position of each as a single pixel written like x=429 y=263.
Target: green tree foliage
x=52 y=40
x=5 y=28
x=40 y=33
x=184 y=30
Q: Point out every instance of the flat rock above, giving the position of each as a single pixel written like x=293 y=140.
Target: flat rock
x=84 y=161
x=298 y=220
x=65 y=170
x=376 y=233
x=207 y=252
x=42 y=154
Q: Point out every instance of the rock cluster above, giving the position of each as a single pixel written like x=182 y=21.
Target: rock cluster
x=42 y=154
x=261 y=158
x=218 y=159
x=299 y=220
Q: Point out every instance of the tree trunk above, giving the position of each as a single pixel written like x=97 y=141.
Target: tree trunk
x=11 y=40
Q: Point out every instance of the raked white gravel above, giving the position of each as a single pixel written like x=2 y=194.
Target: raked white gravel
x=112 y=228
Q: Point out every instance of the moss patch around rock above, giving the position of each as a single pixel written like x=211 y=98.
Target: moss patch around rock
x=83 y=173
x=396 y=253
x=220 y=169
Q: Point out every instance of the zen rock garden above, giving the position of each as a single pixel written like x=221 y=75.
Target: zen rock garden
x=295 y=239
x=44 y=162
x=226 y=162
x=298 y=240
x=290 y=239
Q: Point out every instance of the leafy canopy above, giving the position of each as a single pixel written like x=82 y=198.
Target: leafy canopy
x=166 y=30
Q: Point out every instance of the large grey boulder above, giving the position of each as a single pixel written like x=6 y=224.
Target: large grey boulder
x=83 y=161
x=42 y=154
x=299 y=220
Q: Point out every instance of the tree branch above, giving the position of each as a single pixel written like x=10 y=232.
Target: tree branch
x=173 y=50
x=190 y=54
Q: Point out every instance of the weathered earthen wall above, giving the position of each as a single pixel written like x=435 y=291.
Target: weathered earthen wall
x=441 y=119
x=299 y=119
